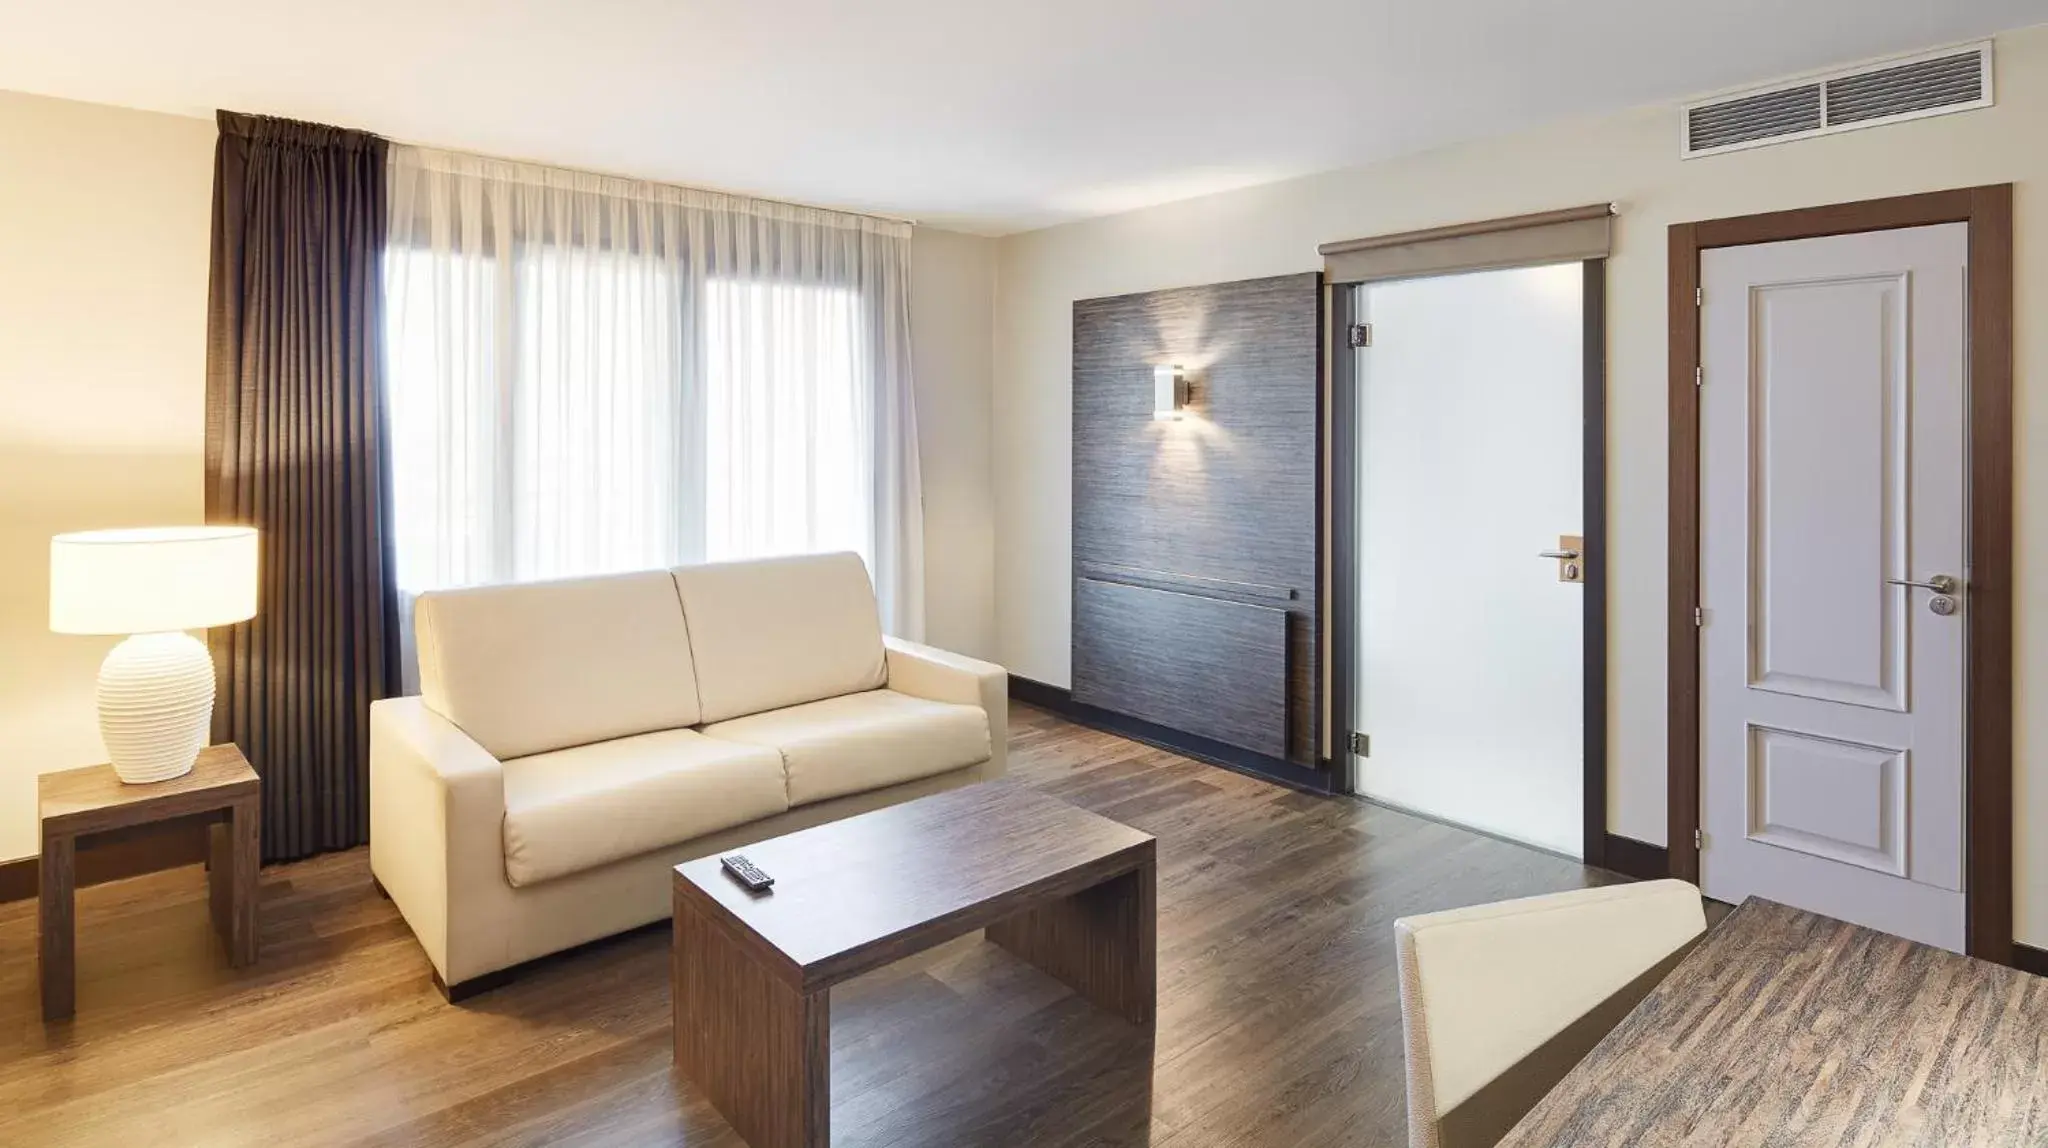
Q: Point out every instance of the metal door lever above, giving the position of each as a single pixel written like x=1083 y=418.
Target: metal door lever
x=1569 y=556
x=1939 y=583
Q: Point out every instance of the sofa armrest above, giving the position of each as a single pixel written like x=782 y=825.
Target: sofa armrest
x=437 y=814
x=942 y=676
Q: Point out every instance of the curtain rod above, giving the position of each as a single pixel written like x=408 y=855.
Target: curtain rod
x=223 y=115
x=682 y=187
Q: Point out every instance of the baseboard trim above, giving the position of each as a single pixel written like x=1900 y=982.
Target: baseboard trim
x=1037 y=693
x=1647 y=862
x=1638 y=859
x=1061 y=701
x=114 y=855
x=18 y=879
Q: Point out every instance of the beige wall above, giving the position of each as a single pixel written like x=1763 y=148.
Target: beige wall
x=952 y=304
x=104 y=219
x=1632 y=160
x=103 y=249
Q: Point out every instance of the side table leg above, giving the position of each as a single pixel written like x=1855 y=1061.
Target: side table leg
x=760 y=1049
x=56 y=950
x=234 y=856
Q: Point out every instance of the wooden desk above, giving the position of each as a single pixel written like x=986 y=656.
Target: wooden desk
x=79 y=802
x=1788 y=1028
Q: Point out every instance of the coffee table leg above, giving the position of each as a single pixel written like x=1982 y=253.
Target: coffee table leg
x=1100 y=941
x=56 y=938
x=231 y=874
x=759 y=1048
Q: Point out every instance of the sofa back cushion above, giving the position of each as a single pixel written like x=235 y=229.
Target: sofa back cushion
x=537 y=666
x=779 y=632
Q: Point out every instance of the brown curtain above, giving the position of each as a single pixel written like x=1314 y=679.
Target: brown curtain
x=294 y=447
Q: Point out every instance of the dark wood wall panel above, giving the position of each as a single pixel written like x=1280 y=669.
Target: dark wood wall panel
x=1222 y=675
x=1219 y=506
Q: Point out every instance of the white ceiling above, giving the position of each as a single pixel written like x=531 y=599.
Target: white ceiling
x=973 y=114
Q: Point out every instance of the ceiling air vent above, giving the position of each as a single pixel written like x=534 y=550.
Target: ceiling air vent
x=1882 y=92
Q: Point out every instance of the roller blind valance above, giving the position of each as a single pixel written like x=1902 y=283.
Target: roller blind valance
x=1520 y=241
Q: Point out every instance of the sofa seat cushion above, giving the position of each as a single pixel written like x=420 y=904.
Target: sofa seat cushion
x=575 y=809
x=857 y=742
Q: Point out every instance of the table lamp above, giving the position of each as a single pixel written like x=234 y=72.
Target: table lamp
x=155 y=688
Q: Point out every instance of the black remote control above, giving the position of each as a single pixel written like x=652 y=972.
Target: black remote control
x=746 y=872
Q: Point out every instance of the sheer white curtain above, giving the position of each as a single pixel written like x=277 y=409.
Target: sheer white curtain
x=590 y=374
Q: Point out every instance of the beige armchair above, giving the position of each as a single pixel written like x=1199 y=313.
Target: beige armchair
x=1499 y=1001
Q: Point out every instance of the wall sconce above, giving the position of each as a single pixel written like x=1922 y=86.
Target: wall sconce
x=1169 y=393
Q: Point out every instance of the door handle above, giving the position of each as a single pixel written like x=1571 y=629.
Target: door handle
x=1569 y=556
x=1939 y=583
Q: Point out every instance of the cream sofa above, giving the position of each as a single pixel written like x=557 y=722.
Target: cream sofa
x=573 y=740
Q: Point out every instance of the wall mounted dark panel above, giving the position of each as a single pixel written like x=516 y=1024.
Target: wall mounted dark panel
x=1220 y=505
x=1222 y=674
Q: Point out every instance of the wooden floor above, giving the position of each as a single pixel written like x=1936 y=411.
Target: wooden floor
x=1279 y=1020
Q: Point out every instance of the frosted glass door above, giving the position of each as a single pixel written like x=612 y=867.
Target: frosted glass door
x=1470 y=672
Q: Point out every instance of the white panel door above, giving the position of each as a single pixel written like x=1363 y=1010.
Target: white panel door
x=1832 y=460
x=1471 y=463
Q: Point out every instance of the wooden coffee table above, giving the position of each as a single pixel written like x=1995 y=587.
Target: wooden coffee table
x=1065 y=889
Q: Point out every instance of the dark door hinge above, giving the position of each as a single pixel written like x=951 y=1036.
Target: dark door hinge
x=1361 y=744
x=1360 y=335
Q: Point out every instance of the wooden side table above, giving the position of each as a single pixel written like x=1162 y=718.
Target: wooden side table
x=80 y=802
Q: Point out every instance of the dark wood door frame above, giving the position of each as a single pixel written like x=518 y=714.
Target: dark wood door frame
x=1344 y=571
x=1987 y=614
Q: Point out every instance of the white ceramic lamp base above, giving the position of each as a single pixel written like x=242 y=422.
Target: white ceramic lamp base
x=156 y=705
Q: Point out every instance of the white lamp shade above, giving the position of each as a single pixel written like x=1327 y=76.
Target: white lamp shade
x=152 y=580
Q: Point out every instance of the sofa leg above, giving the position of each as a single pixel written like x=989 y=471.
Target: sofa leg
x=498 y=978
x=463 y=990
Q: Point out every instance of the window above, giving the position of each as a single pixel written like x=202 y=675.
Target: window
x=442 y=400
x=572 y=440
x=786 y=432
x=595 y=418
x=588 y=375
